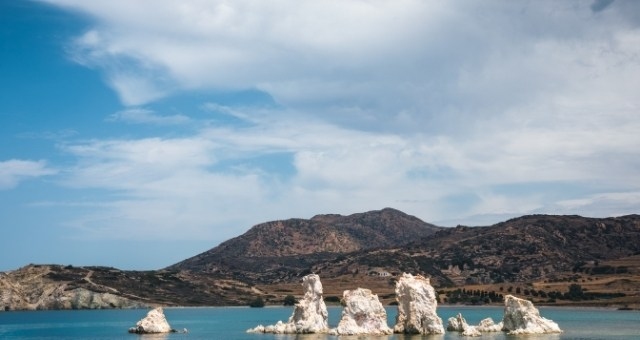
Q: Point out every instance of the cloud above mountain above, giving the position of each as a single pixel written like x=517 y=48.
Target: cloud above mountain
x=446 y=97
x=456 y=112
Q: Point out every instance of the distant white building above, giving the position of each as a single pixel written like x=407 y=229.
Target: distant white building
x=381 y=273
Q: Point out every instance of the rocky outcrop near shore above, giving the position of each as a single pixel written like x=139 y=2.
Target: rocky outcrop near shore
x=33 y=288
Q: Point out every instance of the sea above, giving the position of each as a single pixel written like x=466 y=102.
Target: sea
x=231 y=323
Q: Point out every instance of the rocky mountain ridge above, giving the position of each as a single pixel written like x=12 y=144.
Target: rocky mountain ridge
x=528 y=248
x=283 y=250
x=371 y=249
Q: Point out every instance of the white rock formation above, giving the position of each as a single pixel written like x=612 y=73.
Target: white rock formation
x=154 y=322
x=309 y=314
x=279 y=328
x=471 y=331
x=363 y=314
x=456 y=323
x=459 y=324
x=521 y=317
x=487 y=325
x=417 y=304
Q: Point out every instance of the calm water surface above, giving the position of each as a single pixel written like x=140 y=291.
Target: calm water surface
x=230 y=323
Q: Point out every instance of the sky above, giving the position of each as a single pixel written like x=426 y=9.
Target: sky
x=136 y=134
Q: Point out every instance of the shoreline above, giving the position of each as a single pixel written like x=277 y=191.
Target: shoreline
x=446 y=306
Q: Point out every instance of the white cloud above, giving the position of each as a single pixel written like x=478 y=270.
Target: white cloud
x=132 y=164
x=403 y=104
x=301 y=51
x=145 y=116
x=409 y=64
x=14 y=171
x=136 y=89
x=200 y=185
x=602 y=204
x=162 y=188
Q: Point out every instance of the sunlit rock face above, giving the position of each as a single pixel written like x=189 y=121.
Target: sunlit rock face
x=30 y=288
x=417 y=305
x=363 y=314
x=154 y=322
x=521 y=317
x=309 y=314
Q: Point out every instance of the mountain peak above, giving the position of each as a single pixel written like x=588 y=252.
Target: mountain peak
x=322 y=234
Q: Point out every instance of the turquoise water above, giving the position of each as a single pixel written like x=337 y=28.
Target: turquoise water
x=230 y=323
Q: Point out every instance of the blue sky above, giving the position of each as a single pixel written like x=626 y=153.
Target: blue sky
x=138 y=133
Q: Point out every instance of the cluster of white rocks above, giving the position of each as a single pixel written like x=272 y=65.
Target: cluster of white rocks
x=459 y=324
x=363 y=314
x=520 y=317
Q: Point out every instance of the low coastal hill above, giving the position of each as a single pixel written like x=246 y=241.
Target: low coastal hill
x=546 y=258
x=36 y=287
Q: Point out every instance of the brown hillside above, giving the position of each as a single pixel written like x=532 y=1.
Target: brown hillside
x=280 y=250
x=549 y=259
x=524 y=249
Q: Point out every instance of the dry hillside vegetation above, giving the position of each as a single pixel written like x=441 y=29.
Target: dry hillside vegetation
x=545 y=258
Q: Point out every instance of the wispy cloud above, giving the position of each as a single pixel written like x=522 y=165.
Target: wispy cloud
x=14 y=171
x=208 y=181
x=400 y=65
x=145 y=116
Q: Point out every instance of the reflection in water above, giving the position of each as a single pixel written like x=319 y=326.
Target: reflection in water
x=161 y=336
x=448 y=335
x=231 y=323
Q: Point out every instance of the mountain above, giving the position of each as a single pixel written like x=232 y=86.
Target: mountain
x=282 y=250
x=533 y=247
x=563 y=259
x=525 y=249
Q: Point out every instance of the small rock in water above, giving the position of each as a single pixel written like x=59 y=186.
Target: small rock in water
x=154 y=322
x=521 y=317
x=459 y=324
x=487 y=325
